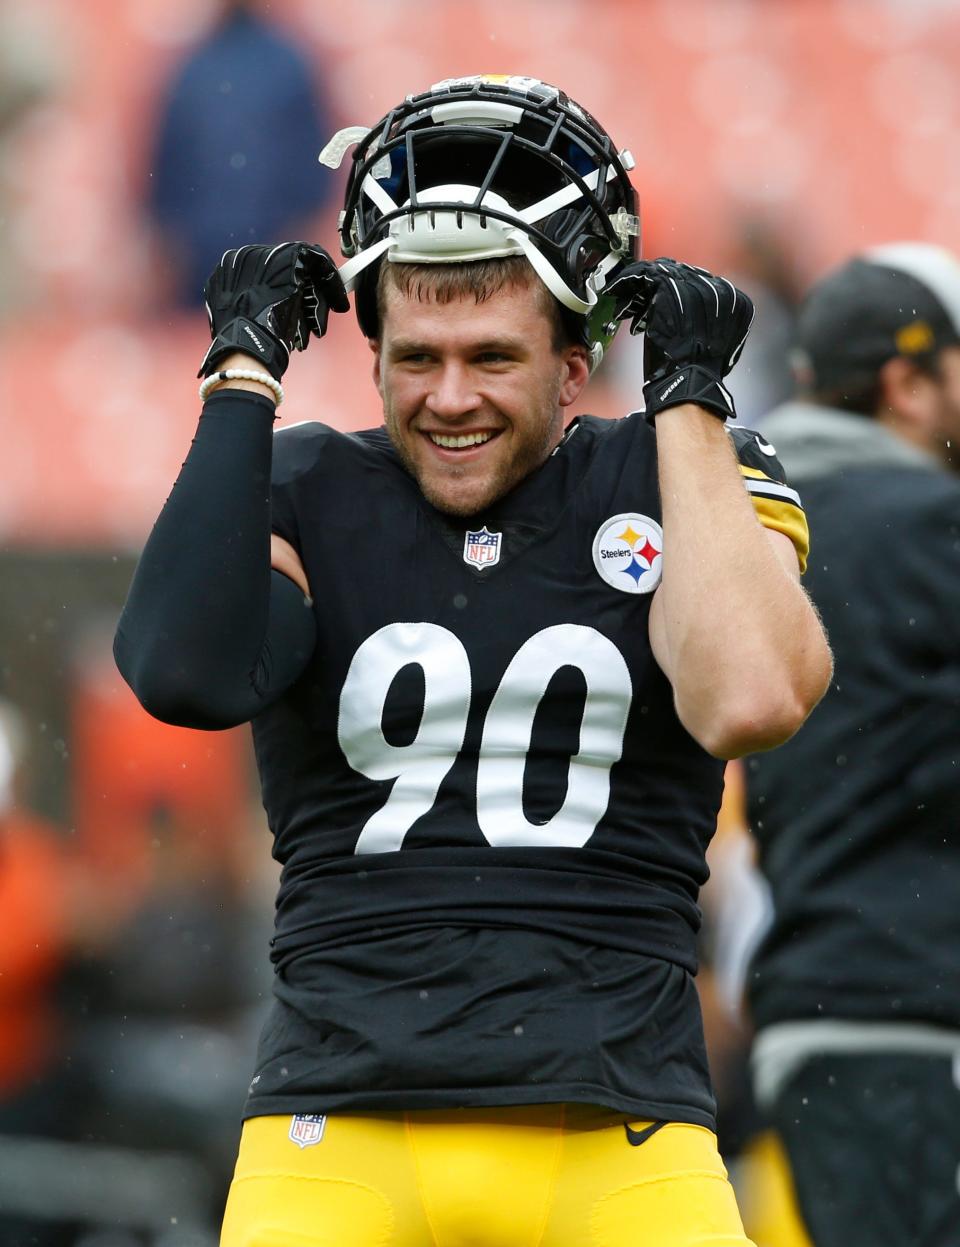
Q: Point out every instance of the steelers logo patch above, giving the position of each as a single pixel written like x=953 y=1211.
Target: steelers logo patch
x=628 y=552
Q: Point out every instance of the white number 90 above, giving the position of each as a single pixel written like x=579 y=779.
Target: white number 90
x=419 y=767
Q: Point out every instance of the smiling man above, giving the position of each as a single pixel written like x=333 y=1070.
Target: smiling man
x=473 y=403
x=492 y=753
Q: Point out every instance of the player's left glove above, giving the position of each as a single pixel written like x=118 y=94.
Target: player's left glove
x=695 y=325
x=266 y=301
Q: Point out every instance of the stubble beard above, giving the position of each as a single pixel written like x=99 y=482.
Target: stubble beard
x=529 y=456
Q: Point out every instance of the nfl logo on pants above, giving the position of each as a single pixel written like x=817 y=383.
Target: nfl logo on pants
x=482 y=548
x=306 y=1129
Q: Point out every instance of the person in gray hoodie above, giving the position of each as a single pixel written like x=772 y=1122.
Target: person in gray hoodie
x=855 y=988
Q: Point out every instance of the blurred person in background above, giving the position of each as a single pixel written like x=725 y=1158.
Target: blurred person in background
x=491 y=681
x=855 y=988
x=237 y=138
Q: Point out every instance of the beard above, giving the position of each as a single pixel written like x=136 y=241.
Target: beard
x=462 y=492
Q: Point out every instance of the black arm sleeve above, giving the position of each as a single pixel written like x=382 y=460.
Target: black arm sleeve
x=209 y=635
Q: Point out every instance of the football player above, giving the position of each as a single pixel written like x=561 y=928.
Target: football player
x=493 y=662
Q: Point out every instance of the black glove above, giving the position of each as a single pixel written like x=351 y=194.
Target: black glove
x=695 y=326
x=265 y=301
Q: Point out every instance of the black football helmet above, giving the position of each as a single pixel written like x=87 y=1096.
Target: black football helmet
x=489 y=166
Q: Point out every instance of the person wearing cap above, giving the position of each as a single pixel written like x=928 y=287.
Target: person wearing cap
x=855 y=987
x=492 y=678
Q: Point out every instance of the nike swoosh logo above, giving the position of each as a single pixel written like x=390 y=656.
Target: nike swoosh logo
x=636 y=1137
x=764 y=446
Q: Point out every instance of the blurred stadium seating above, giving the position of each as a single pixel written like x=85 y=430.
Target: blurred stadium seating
x=837 y=119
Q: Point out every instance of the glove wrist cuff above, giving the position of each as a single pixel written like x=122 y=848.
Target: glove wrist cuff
x=690 y=384
x=247 y=336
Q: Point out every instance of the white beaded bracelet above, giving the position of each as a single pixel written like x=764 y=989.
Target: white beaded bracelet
x=241 y=374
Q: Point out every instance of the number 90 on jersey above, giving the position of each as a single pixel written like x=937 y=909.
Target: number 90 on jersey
x=419 y=768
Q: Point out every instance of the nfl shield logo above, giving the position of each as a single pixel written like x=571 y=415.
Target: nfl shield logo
x=482 y=549
x=306 y=1129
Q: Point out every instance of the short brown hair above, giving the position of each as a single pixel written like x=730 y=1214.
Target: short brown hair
x=481 y=279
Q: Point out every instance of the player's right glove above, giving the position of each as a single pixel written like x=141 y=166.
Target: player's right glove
x=695 y=325
x=266 y=301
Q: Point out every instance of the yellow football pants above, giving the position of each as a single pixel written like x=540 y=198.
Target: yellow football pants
x=541 y=1176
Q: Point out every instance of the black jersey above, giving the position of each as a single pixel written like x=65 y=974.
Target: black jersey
x=480 y=786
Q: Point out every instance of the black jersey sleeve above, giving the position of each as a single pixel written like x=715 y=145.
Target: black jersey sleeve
x=776 y=503
x=209 y=635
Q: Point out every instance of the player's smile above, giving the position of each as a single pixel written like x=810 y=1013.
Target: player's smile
x=460 y=447
x=473 y=392
x=459 y=442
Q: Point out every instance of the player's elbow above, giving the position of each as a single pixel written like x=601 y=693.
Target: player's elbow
x=169 y=692
x=765 y=716
x=760 y=704
x=754 y=730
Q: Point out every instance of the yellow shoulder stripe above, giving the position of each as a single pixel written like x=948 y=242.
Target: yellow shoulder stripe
x=783 y=516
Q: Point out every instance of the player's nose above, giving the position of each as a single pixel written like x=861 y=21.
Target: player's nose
x=453 y=392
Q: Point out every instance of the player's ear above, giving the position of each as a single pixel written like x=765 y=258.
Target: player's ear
x=374 y=345
x=576 y=373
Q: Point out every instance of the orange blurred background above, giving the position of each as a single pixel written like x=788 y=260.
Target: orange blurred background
x=834 y=123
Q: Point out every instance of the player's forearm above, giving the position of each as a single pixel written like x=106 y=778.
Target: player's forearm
x=193 y=638
x=738 y=638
